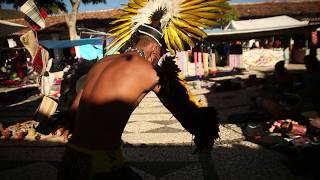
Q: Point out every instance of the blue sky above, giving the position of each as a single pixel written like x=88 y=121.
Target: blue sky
x=117 y=4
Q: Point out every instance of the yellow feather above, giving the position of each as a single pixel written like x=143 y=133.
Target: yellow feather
x=208 y=22
x=180 y=23
x=202 y=22
x=171 y=39
x=196 y=23
x=190 y=28
x=134 y=5
x=198 y=15
x=120 y=20
x=190 y=34
x=208 y=15
x=188 y=16
x=131 y=10
x=141 y=3
x=120 y=31
x=191 y=96
x=116 y=28
x=191 y=3
x=176 y=37
x=215 y=2
x=119 y=38
x=193 y=7
x=118 y=45
x=166 y=40
x=198 y=32
x=206 y=9
x=185 y=37
x=124 y=16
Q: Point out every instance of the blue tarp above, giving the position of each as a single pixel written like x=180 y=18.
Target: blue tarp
x=51 y=44
x=91 y=52
x=213 y=30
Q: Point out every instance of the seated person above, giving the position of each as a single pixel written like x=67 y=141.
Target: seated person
x=277 y=95
x=311 y=83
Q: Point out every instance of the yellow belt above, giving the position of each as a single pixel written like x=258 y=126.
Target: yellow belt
x=103 y=161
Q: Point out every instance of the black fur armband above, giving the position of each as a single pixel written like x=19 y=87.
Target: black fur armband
x=200 y=121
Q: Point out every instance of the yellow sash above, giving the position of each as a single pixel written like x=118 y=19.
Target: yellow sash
x=103 y=161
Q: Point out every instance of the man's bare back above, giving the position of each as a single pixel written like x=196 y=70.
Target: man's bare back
x=113 y=88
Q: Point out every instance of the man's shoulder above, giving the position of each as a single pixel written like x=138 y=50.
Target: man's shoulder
x=133 y=59
x=137 y=60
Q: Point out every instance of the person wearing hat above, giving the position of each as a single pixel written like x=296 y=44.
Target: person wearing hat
x=115 y=85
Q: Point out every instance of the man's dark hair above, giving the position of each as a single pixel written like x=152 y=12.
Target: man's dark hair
x=138 y=37
x=280 y=68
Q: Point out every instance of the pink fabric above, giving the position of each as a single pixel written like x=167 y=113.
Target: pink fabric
x=200 y=64
x=195 y=56
x=234 y=60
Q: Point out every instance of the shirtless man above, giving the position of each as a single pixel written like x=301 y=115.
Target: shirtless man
x=113 y=88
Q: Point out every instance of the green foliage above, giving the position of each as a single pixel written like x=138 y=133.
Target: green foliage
x=52 y=6
x=230 y=14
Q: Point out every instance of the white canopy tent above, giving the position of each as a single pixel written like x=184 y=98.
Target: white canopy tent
x=270 y=26
x=8 y=28
x=265 y=24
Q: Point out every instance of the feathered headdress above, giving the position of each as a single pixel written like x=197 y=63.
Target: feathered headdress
x=177 y=21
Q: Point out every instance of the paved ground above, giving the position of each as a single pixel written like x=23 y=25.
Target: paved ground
x=155 y=144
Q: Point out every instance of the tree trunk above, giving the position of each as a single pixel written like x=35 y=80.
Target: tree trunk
x=73 y=32
x=71 y=19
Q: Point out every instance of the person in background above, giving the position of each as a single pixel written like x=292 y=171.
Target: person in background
x=311 y=82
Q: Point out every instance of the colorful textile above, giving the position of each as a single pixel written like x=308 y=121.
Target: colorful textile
x=30 y=42
x=205 y=64
x=32 y=12
x=195 y=59
x=194 y=63
x=214 y=62
x=235 y=60
x=263 y=57
x=200 y=64
x=51 y=85
x=40 y=61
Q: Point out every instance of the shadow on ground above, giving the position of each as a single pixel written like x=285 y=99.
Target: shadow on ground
x=12 y=114
x=40 y=160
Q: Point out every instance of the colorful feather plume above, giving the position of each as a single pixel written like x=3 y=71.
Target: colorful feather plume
x=182 y=21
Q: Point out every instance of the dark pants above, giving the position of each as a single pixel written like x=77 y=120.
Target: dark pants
x=78 y=166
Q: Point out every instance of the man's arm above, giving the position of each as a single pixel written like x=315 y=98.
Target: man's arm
x=65 y=130
x=76 y=101
x=202 y=122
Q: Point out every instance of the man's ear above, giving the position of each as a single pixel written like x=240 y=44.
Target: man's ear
x=153 y=48
x=156 y=49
